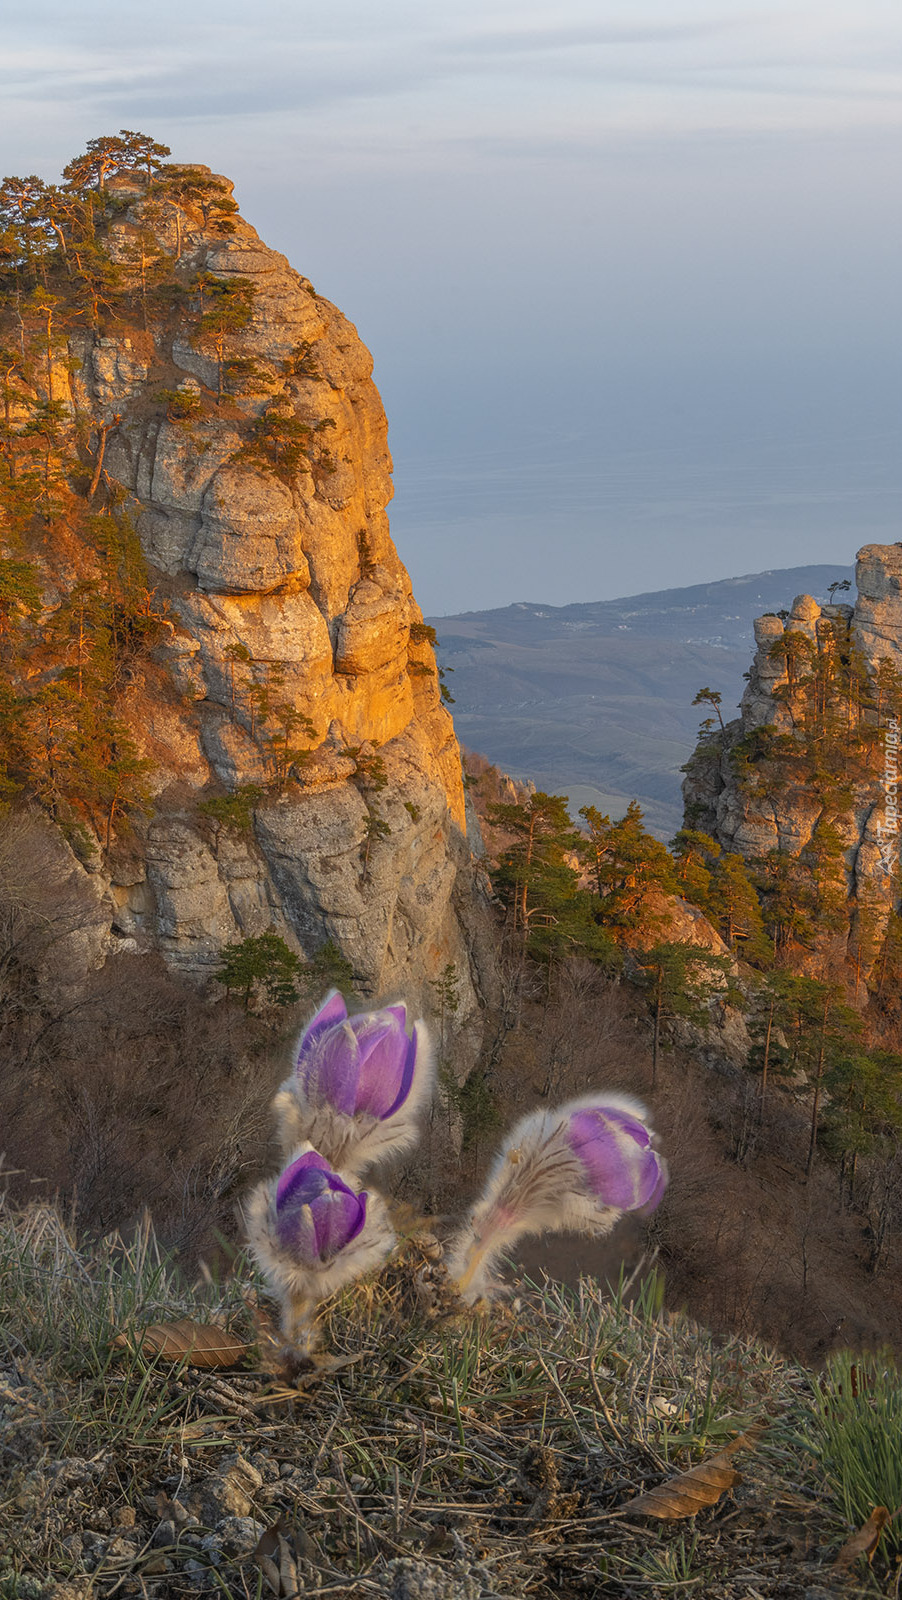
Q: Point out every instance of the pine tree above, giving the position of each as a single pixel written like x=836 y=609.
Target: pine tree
x=631 y=870
x=695 y=858
x=446 y=992
x=711 y=697
x=264 y=960
x=280 y=443
x=184 y=191
x=733 y=904
x=375 y=829
x=533 y=872
x=768 y=1024
x=683 y=979
x=887 y=690
x=140 y=153
x=825 y=1027
x=226 y=309
x=328 y=969
x=20 y=595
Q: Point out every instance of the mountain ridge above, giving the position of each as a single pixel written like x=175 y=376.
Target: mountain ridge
x=810 y=572
x=594 y=699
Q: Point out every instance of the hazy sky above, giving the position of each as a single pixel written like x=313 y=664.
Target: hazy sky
x=629 y=270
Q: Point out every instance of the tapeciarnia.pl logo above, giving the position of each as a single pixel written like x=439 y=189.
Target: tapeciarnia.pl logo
x=888 y=829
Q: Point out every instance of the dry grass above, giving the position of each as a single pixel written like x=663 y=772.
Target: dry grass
x=493 y=1454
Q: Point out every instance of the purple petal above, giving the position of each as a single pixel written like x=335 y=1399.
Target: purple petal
x=296 y=1232
x=657 y=1194
x=316 y=1213
x=299 y=1188
x=627 y=1120
x=332 y=1072
x=406 y=1075
x=383 y=1057
x=302 y=1179
x=338 y=1218
x=400 y=1012
x=332 y=1010
x=615 y=1150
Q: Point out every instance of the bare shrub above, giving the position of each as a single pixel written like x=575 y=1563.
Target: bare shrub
x=127 y=1088
x=144 y=1095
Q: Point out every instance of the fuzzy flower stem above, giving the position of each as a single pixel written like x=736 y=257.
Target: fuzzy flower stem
x=474 y=1265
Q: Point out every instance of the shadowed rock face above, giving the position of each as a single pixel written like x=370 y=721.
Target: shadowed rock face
x=289 y=653
x=756 y=823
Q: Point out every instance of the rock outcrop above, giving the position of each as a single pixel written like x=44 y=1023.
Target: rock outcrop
x=878 y=609
x=805 y=773
x=295 y=666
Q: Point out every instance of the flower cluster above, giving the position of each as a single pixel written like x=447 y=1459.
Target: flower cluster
x=353 y=1098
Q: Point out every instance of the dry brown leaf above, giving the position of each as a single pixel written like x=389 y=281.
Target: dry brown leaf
x=264 y=1556
x=665 y=1408
x=865 y=1541
x=201 y=1344
x=701 y=1486
x=689 y=1493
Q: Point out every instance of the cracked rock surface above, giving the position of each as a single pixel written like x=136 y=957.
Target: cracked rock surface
x=295 y=658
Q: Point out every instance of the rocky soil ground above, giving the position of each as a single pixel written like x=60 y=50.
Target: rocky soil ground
x=428 y=1454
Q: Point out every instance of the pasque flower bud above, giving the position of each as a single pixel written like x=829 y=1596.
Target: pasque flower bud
x=578 y=1168
x=311 y=1234
x=357 y=1087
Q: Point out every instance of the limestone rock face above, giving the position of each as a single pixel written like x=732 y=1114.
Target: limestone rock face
x=295 y=659
x=249 y=539
x=722 y=793
x=679 y=921
x=878 y=611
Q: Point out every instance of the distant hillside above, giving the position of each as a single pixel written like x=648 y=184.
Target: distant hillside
x=595 y=700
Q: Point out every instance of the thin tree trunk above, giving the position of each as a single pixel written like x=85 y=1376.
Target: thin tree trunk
x=111 y=814
x=104 y=430
x=7 y=414
x=50 y=357
x=883 y=963
x=818 y=1079
x=766 y=1063
x=656 y=1042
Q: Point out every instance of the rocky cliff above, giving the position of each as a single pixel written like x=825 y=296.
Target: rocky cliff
x=802 y=783
x=228 y=412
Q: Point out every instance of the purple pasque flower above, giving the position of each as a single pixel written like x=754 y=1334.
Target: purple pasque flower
x=357 y=1064
x=358 y=1086
x=578 y=1167
x=312 y=1234
x=316 y=1214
